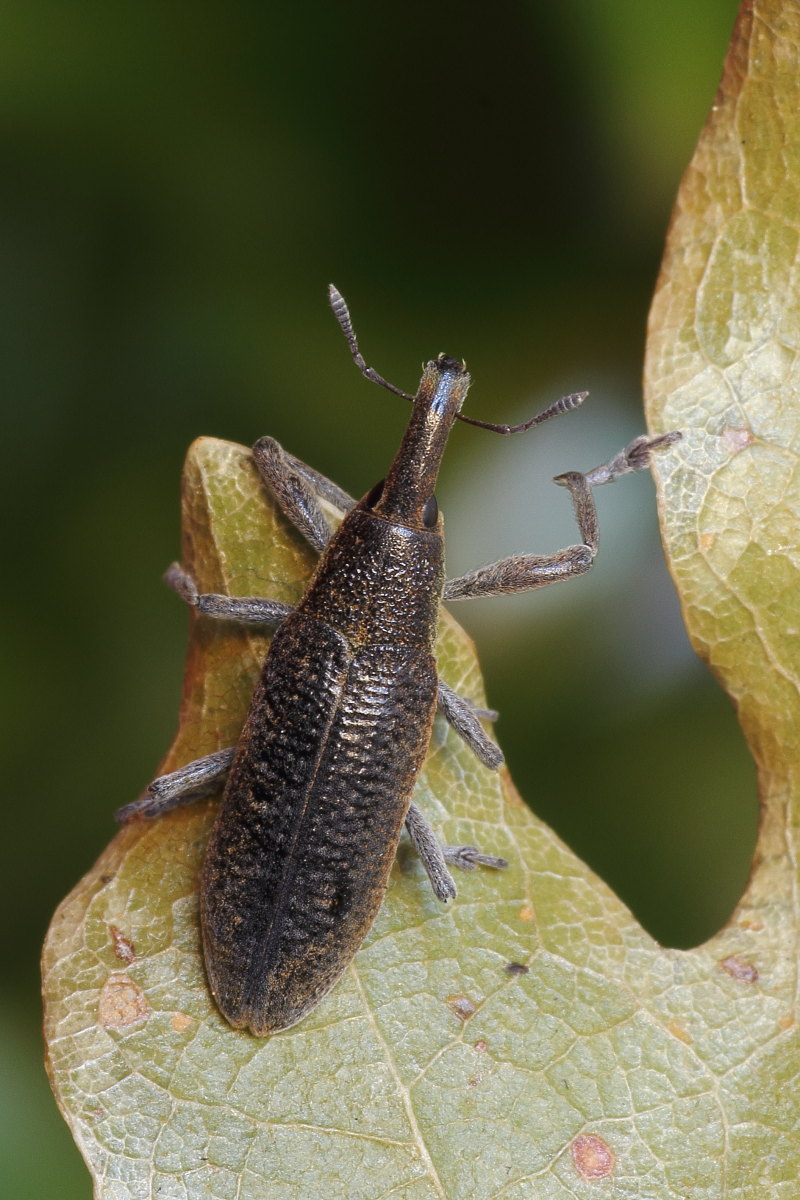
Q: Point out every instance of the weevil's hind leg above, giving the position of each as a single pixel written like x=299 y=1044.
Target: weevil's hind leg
x=524 y=572
x=246 y=610
x=431 y=853
x=467 y=858
x=296 y=488
x=464 y=718
x=184 y=786
x=435 y=857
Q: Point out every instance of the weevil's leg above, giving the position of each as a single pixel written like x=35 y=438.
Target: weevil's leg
x=323 y=486
x=435 y=857
x=184 y=786
x=296 y=488
x=524 y=572
x=431 y=853
x=634 y=457
x=463 y=716
x=470 y=857
x=247 y=610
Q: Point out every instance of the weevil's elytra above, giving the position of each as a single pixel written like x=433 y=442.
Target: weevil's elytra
x=319 y=786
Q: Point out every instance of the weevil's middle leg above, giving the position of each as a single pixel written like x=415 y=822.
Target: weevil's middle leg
x=524 y=572
x=247 y=610
x=464 y=718
x=256 y=610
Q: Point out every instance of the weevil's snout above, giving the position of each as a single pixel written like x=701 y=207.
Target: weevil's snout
x=444 y=364
x=407 y=493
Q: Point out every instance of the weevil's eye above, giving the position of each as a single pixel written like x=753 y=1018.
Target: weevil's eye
x=372 y=498
x=430 y=513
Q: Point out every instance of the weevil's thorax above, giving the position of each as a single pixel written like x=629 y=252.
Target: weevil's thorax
x=380 y=580
x=379 y=583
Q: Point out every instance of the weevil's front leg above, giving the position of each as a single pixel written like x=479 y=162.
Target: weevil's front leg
x=247 y=610
x=323 y=486
x=464 y=717
x=184 y=786
x=524 y=572
x=435 y=857
x=296 y=487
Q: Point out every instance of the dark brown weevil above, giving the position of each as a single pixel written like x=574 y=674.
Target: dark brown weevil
x=319 y=786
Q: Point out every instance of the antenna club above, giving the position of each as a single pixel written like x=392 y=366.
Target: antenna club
x=342 y=313
x=335 y=297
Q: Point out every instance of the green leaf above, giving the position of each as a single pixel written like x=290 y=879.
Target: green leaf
x=431 y=1070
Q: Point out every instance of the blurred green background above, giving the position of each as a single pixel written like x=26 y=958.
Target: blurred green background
x=180 y=183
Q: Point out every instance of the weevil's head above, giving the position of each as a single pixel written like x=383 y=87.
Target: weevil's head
x=407 y=494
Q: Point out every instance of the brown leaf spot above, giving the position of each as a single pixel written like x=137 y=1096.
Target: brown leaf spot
x=462 y=1006
x=755 y=926
x=593 y=1158
x=123 y=948
x=515 y=968
x=481 y=1046
x=706 y=541
x=743 y=971
x=526 y=913
x=180 y=1021
x=122 y=1003
x=787 y=1021
x=678 y=1031
x=737 y=439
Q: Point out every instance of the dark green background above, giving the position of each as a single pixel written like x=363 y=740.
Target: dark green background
x=180 y=183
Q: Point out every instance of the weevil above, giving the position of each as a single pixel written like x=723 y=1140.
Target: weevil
x=320 y=783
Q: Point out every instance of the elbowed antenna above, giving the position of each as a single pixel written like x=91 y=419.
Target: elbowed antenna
x=342 y=314
x=564 y=404
x=338 y=303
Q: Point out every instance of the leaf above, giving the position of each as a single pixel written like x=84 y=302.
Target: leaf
x=431 y=1070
